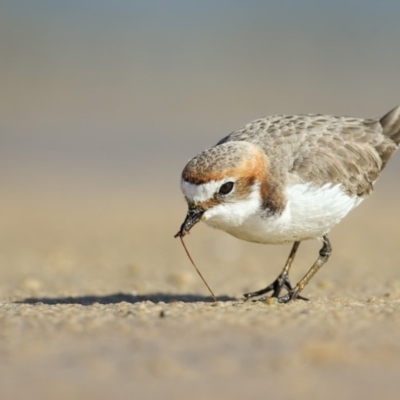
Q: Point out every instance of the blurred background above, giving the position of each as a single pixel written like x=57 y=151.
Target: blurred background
x=103 y=102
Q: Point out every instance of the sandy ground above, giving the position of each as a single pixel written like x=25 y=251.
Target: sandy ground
x=98 y=301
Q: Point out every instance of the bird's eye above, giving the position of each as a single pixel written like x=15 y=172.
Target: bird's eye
x=226 y=188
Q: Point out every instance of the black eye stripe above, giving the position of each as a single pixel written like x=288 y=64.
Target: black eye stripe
x=226 y=188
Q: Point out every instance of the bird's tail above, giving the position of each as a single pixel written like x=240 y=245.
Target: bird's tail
x=391 y=124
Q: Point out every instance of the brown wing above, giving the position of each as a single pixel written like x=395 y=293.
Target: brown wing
x=347 y=151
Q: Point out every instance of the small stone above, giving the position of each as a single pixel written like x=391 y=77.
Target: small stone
x=389 y=295
x=271 y=300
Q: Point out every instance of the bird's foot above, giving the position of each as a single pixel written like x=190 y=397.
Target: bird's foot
x=291 y=295
x=281 y=282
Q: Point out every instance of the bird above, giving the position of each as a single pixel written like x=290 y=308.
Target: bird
x=288 y=178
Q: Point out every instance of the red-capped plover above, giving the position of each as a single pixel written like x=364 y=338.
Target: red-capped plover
x=284 y=179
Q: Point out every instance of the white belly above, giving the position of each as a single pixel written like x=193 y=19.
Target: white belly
x=310 y=212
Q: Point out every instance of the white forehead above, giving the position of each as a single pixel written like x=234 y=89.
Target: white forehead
x=201 y=192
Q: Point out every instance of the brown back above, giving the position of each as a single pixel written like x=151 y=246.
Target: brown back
x=325 y=149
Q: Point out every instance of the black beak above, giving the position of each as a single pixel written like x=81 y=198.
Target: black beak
x=192 y=218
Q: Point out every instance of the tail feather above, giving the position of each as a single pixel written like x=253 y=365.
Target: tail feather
x=391 y=124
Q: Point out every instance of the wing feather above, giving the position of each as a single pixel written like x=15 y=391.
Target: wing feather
x=321 y=149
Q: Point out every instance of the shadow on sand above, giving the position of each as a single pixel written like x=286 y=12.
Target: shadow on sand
x=120 y=297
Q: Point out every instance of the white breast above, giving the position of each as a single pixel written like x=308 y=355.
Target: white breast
x=310 y=212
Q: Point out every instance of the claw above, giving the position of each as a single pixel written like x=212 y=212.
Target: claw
x=287 y=298
x=282 y=282
x=290 y=296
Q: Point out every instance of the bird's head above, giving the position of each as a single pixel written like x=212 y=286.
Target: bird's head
x=224 y=185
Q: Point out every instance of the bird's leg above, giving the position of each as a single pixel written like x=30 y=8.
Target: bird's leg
x=282 y=281
x=324 y=254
